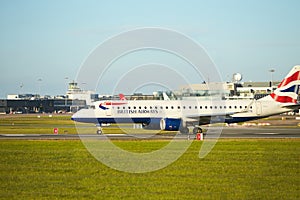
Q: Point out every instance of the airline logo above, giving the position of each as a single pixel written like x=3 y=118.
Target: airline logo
x=289 y=88
x=103 y=105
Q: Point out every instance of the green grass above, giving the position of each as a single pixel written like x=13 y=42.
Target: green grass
x=235 y=169
x=32 y=124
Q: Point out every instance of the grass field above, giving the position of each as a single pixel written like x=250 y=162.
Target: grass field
x=36 y=124
x=43 y=124
x=235 y=169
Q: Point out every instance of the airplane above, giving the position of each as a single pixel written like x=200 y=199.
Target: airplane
x=178 y=115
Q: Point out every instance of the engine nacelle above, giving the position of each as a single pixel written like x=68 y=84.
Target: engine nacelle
x=170 y=124
x=153 y=124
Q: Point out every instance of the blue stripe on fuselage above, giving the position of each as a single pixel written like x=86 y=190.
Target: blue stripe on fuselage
x=240 y=119
x=113 y=120
x=148 y=120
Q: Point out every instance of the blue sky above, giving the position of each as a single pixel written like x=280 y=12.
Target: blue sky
x=49 y=40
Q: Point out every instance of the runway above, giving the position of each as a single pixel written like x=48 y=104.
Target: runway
x=227 y=132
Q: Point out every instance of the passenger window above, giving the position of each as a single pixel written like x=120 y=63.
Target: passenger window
x=200 y=107
x=166 y=107
x=178 y=107
x=183 y=107
x=205 y=107
x=145 y=107
x=210 y=107
x=216 y=107
x=195 y=107
x=229 y=107
x=134 y=107
x=172 y=107
x=190 y=107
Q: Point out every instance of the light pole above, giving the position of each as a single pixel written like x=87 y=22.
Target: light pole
x=21 y=88
x=83 y=86
x=271 y=72
x=66 y=78
x=39 y=85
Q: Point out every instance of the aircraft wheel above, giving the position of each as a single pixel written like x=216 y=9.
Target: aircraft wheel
x=99 y=132
x=197 y=130
x=184 y=130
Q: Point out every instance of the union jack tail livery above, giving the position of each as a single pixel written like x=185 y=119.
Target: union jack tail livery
x=288 y=89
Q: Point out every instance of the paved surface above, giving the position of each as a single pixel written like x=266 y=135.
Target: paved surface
x=227 y=132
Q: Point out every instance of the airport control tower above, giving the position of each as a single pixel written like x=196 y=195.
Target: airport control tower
x=76 y=93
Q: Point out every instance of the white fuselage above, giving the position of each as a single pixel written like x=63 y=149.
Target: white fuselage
x=140 y=111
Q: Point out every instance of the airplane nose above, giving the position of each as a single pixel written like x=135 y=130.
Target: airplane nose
x=74 y=117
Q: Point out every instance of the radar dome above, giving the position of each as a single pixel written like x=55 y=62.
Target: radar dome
x=237 y=77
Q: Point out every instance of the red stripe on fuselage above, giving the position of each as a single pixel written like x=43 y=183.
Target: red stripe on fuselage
x=283 y=99
x=113 y=103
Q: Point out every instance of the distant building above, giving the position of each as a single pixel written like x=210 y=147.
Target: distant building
x=243 y=90
x=22 y=96
x=203 y=91
x=40 y=105
x=75 y=93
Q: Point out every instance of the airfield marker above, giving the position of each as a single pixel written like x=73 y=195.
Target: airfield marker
x=55 y=130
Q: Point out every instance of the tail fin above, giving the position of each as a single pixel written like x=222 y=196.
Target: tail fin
x=288 y=89
x=122 y=97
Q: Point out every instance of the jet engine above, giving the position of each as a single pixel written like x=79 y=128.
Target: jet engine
x=170 y=124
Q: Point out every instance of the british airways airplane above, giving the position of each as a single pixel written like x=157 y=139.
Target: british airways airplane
x=178 y=115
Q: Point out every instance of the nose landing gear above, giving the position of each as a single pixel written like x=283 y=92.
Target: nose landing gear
x=99 y=130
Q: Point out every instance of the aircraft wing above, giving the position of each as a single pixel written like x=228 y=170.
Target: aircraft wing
x=215 y=114
x=211 y=115
x=210 y=118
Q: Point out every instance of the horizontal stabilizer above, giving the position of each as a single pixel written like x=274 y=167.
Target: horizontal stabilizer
x=293 y=107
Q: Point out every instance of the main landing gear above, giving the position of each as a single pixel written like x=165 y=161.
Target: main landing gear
x=197 y=130
x=185 y=130
x=99 y=130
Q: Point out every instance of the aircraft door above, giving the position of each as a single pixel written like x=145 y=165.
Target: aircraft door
x=108 y=112
x=258 y=107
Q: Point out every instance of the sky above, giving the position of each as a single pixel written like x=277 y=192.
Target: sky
x=43 y=44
